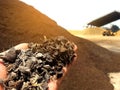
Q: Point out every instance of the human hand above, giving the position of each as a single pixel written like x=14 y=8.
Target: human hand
x=52 y=85
x=3 y=71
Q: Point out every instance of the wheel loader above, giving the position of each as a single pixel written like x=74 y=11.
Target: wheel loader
x=112 y=31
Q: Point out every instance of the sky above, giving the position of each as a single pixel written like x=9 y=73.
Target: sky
x=75 y=14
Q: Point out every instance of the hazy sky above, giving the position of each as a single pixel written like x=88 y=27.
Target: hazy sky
x=75 y=14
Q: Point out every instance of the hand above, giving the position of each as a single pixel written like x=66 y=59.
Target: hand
x=53 y=84
x=3 y=71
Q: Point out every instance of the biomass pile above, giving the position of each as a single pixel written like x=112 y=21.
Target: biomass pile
x=92 y=31
x=21 y=23
x=33 y=68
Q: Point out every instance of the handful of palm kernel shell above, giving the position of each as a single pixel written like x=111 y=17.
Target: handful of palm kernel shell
x=32 y=69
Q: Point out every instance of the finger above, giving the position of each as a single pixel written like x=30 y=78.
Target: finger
x=11 y=54
x=54 y=84
x=75 y=47
x=22 y=46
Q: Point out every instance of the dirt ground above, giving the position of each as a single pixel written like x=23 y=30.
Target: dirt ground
x=111 y=43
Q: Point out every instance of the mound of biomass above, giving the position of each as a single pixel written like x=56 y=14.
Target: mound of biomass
x=22 y=23
x=92 y=31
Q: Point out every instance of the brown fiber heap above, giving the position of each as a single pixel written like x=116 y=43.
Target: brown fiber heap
x=21 y=23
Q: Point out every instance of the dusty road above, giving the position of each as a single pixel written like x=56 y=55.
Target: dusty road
x=111 y=43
